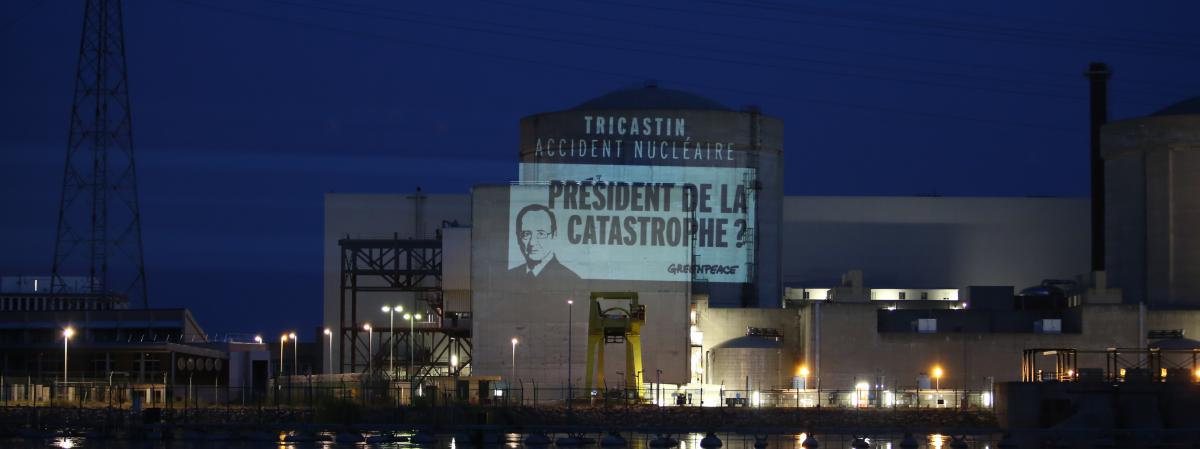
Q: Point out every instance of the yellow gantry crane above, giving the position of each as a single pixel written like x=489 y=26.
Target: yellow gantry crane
x=615 y=325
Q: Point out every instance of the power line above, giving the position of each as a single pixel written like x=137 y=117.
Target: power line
x=621 y=75
x=756 y=39
x=1137 y=31
x=21 y=15
x=963 y=27
x=649 y=48
x=727 y=14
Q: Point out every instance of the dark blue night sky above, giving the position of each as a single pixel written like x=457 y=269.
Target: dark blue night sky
x=247 y=112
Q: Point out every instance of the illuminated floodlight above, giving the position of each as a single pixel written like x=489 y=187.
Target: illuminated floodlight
x=258 y=339
x=327 y=331
x=367 y=327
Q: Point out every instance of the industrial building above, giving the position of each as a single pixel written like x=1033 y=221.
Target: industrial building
x=78 y=346
x=679 y=199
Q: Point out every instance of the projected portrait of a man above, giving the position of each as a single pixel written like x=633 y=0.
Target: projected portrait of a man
x=537 y=236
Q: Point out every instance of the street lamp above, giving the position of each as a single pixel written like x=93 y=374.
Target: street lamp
x=67 y=334
x=411 y=341
x=370 y=342
x=570 y=326
x=937 y=377
x=282 y=342
x=803 y=377
x=258 y=339
x=295 y=354
x=514 y=360
x=329 y=355
x=391 y=311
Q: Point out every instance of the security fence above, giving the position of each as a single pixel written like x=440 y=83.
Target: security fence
x=304 y=392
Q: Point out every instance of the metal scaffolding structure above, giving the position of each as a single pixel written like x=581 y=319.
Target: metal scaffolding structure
x=99 y=223
x=399 y=266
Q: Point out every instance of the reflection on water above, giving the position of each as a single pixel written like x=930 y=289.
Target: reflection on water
x=730 y=440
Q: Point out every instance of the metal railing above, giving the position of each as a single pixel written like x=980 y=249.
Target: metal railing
x=383 y=394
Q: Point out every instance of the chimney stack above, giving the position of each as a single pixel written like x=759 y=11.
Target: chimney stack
x=1098 y=75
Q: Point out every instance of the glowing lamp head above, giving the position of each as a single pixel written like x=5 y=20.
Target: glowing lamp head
x=292 y=335
x=68 y=332
x=283 y=337
x=417 y=317
x=514 y=341
x=803 y=371
x=328 y=332
x=570 y=301
x=937 y=372
x=386 y=309
x=367 y=327
x=407 y=316
x=258 y=339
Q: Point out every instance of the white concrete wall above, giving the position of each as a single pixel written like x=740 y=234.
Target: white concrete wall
x=537 y=315
x=909 y=242
x=934 y=242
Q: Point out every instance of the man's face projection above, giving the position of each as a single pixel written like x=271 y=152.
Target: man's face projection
x=536 y=236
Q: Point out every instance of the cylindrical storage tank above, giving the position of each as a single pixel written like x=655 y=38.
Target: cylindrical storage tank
x=749 y=363
x=1152 y=206
x=695 y=190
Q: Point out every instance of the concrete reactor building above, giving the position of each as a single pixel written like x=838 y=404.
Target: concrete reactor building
x=679 y=199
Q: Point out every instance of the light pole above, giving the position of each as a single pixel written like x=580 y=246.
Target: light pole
x=370 y=342
x=391 y=311
x=329 y=355
x=411 y=340
x=658 y=387
x=282 y=342
x=295 y=354
x=570 y=327
x=67 y=334
x=514 y=361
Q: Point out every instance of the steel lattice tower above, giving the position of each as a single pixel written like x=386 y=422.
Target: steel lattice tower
x=99 y=225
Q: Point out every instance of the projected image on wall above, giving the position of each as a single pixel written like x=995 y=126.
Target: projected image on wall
x=652 y=223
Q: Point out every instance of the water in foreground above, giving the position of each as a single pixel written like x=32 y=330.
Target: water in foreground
x=516 y=441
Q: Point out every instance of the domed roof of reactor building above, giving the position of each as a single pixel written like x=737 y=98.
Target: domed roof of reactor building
x=650 y=96
x=1190 y=106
